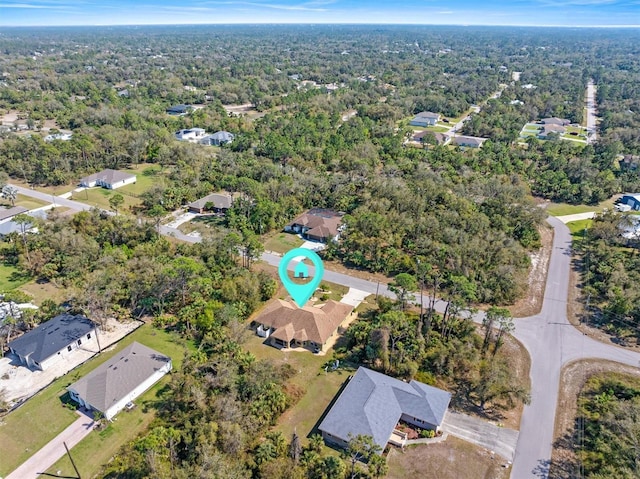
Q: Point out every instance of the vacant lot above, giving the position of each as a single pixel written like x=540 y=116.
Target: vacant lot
x=563 y=209
x=451 y=459
x=282 y=242
x=28 y=428
x=100 y=197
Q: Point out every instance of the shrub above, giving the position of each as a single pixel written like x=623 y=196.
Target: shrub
x=427 y=433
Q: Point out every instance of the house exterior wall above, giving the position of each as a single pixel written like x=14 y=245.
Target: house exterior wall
x=118 y=184
x=423 y=122
x=63 y=353
x=150 y=381
x=334 y=440
x=418 y=422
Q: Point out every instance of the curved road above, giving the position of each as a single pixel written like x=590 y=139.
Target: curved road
x=550 y=339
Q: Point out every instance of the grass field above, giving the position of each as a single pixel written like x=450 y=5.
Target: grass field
x=100 y=197
x=25 y=430
x=10 y=278
x=320 y=387
x=577 y=228
x=282 y=242
x=563 y=209
x=147 y=176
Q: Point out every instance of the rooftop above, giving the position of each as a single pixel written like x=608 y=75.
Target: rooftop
x=372 y=404
x=52 y=336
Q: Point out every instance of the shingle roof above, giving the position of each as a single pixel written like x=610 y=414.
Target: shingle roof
x=427 y=114
x=372 y=404
x=52 y=336
x=109 y=383
x=108 y=176
x=310 y=323
x=11 y=212
x=321 y=222
x=219 y=200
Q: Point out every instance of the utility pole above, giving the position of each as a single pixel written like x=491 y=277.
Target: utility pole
x=71 y=459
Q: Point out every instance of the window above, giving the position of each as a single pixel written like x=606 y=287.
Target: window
x=68 y=348
x=79 y=342
x=89 y=336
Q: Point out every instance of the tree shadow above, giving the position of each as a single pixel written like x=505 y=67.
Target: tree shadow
x=564 y=464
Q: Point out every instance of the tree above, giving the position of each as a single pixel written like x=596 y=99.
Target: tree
x=493 y=315
x=378 y=466
x=360 y=448
x=116 y=201
x=404 y=283
x=295 y=449
x=10 y=193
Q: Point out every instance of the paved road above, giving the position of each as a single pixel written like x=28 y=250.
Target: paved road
x=591 y=112
x=576 y=217
x=552 y=343
x=550 y=339
x=54 y=450
x=56 y=200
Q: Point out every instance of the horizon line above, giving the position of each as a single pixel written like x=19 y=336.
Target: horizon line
x=521 y=25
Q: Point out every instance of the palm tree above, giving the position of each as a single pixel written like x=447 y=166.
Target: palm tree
x=10 y=193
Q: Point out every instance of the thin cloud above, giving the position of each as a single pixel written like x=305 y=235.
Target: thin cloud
x=305 y=7
x=34 y=6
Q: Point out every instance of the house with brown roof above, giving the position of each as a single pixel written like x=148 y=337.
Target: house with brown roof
x=215 y=202
x=317 y=224
x=423 y=137
x=285 y=325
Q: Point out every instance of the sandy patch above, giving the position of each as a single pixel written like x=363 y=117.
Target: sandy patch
x=20 y=382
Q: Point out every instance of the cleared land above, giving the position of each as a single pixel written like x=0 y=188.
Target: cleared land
x=564 y=209
x=41 y=418
x=282 y=242
x=451 y=459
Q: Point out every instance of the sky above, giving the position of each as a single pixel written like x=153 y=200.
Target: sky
x=428 y=12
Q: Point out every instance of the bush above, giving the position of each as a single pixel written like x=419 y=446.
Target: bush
x=427 y=433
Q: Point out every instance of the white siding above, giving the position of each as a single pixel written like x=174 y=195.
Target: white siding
x=150 y=381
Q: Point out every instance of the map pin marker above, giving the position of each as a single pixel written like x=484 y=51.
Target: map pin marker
x=301 y=292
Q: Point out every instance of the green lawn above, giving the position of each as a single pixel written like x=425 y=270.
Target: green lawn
x=577 y=228
x=100 y=197
x=563 y=209
x=202 y=224
x=282 y=242
x=25 y=430
x=10 y=278
x=320 y=387
x=25 y=201
x=332 y=290
x=147 y=175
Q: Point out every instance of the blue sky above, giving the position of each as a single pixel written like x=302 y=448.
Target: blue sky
x=459 y=12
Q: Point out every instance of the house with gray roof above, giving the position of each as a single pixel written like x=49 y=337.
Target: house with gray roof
x=119 y=381
x=53 y=340
x=110 y=179
x=219 y=138
x=373 y=403
x=425 y=118
x=8 y=213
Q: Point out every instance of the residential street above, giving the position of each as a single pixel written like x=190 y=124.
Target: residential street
x=551 y=340
x=54 y=450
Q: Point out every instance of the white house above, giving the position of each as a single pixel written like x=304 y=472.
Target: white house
x=192 y=134
x=53 y=340
x=58 y=136
x=110 y=179
x=219 y=138
x=425 y=118
x=120 y=380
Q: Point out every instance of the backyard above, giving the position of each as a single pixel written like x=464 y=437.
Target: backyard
x=11 y=278
x=28 y=428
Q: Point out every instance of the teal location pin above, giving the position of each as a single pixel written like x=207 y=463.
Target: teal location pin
x=301 y=292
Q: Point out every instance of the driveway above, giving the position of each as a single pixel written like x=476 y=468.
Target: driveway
x=500 y=440
x=54 y=450
x=577 y=217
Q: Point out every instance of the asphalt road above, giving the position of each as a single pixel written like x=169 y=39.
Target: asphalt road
x=550 y=339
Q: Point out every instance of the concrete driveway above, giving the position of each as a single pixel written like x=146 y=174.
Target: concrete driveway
x=54 y=450
x=500 y=440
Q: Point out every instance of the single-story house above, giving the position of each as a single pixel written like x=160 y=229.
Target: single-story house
x=8 y=213
x=549 y=129
x=119 y=381
x=373 y=403
x=191 y=134
x=440 y=138
x=220 y=203
x=425 y=118
x=179 y=110
x=53 y=339
x=219 y=138
x=317 y=224
x=468 y=141
x=286 y=325
x=632 y=200
x=110 y=179
x=555 y=121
